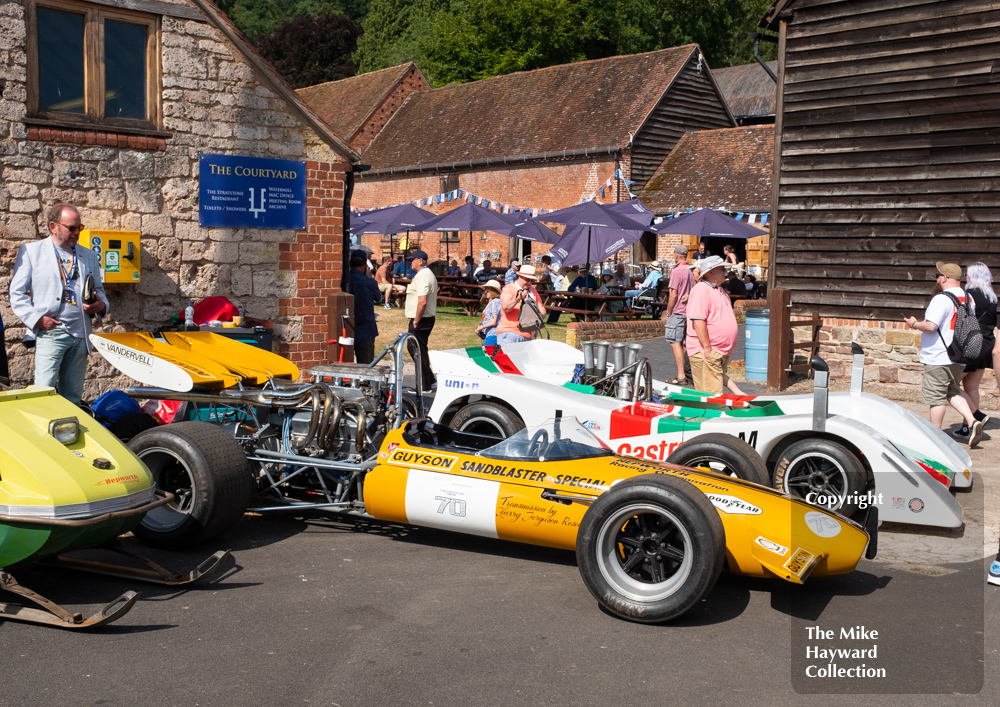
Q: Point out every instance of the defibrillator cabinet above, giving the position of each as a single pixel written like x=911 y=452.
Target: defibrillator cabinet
x=118 y=251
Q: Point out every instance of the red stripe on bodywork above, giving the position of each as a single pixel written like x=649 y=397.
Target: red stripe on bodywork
x=636 y=419
x=936 y=474
x=504 y=363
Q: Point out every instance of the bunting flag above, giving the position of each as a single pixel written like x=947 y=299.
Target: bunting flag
x=534 y=212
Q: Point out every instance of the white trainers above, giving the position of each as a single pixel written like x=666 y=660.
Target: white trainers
x=993 y=577
x=975 y=433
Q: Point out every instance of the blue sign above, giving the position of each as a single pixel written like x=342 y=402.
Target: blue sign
x=251 y=192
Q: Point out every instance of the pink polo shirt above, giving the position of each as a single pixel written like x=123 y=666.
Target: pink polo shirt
x=712 y=305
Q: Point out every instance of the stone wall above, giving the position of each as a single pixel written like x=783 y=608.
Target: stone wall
x=212 y=101
x=892 y=354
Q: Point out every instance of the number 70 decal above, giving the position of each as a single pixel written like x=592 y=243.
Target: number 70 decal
x=454 y=506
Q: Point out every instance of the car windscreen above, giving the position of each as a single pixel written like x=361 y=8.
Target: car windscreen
x=558 y=439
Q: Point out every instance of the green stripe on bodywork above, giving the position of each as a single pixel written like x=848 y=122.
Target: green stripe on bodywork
x=580 y=388
x=769 y=409
x=698 y=408
x=480 y=358
x=676 y=424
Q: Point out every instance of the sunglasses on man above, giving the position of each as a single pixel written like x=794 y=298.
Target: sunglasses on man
x=71 y=229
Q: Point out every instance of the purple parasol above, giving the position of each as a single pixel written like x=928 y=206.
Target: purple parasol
x=707 y=223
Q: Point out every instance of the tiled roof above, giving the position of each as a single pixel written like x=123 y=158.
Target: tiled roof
x=727 y=169
x=748 y=89
x=348 y=103
x=584 y=105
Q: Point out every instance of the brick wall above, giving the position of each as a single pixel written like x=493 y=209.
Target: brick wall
x=411 y=82
x=621 y=331
x=311 y=266
x=212 y=101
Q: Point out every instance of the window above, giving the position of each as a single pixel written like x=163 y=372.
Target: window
x=93 y=64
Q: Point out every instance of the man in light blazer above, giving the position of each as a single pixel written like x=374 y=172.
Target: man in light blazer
x=47 y=294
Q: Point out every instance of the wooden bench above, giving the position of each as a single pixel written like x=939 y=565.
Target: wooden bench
x=471 y=306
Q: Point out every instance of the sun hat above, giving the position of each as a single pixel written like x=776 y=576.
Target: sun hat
x=710 y=263
x=492 y=285
x=949 y=270
x=607 y=272
x=417 y=254
x=527 y=271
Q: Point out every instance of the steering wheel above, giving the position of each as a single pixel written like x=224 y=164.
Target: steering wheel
x=538 y=444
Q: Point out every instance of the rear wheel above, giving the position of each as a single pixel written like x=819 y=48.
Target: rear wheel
x=822 y=473
x=651 y=548
x=723 y=454
x=206 y=470
x=487 y=419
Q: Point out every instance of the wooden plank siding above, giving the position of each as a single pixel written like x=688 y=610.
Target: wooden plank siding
x=888 y=153
x=692 y=102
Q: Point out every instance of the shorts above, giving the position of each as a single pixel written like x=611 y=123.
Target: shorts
x=707 y=372
x=676 y=329
x=941 y=383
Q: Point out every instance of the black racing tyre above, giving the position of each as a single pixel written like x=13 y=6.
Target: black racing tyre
x=724 y=454
x=650 y=548
x=823 y=467
x=206 y=469
x=488 y=419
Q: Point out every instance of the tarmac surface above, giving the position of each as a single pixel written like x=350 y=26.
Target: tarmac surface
x=319 y=610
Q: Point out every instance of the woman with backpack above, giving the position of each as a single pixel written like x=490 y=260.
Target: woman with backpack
x=521 y=308
x=979 y=288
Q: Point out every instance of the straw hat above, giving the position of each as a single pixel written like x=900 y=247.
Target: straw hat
x=492 y=285
x=527 y=271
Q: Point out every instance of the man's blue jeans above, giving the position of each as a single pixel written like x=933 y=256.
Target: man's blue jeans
x=61 y=363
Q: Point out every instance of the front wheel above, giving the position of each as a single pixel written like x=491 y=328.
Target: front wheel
x=651 y=548
x=206 y=470
x=822 y=473
x=723 y=454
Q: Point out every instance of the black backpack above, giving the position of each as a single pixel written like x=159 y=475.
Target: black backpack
x=967 y=344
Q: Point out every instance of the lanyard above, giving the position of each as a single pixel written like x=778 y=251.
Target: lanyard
x=71 y=275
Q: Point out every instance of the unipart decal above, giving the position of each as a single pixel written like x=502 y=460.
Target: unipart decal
x=771 y=546
x=422 y=460
x=733 y=505
x=822 y=524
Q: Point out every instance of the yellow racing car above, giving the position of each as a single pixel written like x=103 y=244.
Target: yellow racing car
x=651 y=538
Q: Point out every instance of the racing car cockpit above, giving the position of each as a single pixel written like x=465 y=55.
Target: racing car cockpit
x=556 y=439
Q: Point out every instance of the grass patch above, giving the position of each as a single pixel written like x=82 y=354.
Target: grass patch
x=453 y=329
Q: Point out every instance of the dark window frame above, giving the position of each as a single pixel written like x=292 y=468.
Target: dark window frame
x=93 y=65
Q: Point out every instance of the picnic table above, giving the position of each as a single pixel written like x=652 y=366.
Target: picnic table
x=562 y=301
x=464 y=293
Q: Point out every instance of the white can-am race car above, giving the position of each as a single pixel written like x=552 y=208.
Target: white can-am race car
x=842 y=452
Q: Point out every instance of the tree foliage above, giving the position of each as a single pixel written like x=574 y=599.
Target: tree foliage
x=397 y=31
x=256 y=18
x=312 y=50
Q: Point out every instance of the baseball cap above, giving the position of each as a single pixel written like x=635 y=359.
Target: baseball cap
x=950 y=270
x=417 y=254
x=681 y=250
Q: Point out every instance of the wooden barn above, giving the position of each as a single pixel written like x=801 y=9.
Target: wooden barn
x=887 y=159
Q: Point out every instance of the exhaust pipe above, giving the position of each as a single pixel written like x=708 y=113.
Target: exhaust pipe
x=588 y=359
x=821 y=393
x=858 y=369
x=601 y=358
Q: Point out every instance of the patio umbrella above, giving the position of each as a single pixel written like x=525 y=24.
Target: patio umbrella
x=581 y=245
x=601 y=222
x=707 y=223
x=468 y=217
x=392 y=219
x=529 y=229
x=634 y=209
